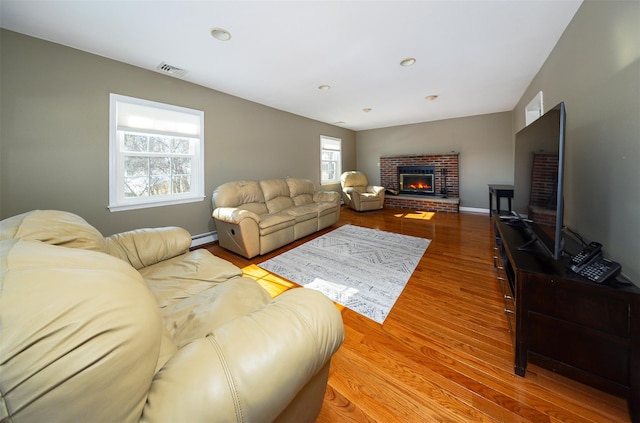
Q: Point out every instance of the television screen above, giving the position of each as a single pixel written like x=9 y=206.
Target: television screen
x=539 y=175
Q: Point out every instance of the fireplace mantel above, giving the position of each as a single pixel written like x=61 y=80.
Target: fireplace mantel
x=446 y=172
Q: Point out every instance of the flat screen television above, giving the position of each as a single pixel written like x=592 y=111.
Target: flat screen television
x=538 y=179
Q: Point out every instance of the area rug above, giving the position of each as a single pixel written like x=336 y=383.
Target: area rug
x=363 y=269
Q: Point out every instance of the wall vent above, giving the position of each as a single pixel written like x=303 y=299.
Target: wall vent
x=171 y=70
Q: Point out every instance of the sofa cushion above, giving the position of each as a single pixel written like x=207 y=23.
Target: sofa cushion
x=276 y=195
x=272 y=188
x=303 y=199
x=303 y=213
x=181 y=277
x=53 y=227
x=197 y=315
x=279 y=204
x=245 y=195
x=270 y=223
x=301 y=190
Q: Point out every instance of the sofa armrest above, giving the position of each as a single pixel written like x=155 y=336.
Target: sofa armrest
x=234 y=215
x=252 y=367
x=326 y=197
x=375 y=189
x=144 y=247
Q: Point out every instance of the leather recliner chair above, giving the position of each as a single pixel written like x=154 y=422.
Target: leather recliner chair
x=358 y=194
x=135 y=327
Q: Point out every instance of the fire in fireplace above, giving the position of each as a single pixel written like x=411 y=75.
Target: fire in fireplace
x=416 y=180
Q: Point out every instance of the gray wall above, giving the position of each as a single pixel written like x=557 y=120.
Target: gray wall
x=595 y=70
x=55 y=137
x=484 y=143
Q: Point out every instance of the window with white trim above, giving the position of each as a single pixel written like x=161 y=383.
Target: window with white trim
x=330 y=160
x=156 y=154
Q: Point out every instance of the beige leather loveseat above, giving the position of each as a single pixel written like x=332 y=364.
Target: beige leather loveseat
x=256 y=217
x=134 y=327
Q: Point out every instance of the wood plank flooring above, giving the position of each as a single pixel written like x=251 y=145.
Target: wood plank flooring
x=444 y=353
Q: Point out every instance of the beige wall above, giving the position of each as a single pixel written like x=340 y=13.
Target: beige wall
x=55 y=137
x=484 y=144
x=595 y=70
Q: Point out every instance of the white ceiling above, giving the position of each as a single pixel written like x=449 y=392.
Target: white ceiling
x=478 y=56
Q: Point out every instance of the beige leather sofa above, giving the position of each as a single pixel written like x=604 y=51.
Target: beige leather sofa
x=256 y=217
x=358 y=194
x=134 y=327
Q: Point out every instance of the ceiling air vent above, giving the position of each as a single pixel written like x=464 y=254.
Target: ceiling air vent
x=171 y=70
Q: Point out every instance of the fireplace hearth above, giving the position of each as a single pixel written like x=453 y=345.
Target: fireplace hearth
x=446 y=182
x=416 y=180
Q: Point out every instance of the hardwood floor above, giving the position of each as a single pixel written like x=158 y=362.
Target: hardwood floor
x=444 y=353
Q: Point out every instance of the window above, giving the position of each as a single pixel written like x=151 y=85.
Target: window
x=156 y=154
x=330 y=160
x=534 y=109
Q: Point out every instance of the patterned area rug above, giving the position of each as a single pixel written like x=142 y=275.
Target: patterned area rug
x=363 y=269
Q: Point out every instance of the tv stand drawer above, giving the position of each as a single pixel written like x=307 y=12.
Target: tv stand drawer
x=592 y=352
x=565 y=301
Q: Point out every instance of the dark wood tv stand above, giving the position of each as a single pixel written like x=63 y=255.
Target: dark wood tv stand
x=563 y=322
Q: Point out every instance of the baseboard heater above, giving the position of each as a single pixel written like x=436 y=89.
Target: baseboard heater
x=205 y=238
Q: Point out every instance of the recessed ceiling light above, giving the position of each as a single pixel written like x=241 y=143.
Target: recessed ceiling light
x=220 y=34
x=340 y=122
x=408 y=62
x=324 y=87
x=366 y=109
x=431 y=97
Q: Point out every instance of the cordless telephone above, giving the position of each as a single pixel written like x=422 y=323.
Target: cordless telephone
x=590 y=264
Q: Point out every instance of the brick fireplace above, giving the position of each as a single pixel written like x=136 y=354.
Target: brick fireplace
x=446 y=179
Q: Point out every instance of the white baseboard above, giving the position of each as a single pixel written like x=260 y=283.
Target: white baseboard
x=205 y=238
x=474 y=210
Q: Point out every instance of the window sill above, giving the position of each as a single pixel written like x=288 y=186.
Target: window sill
x=146 y=205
